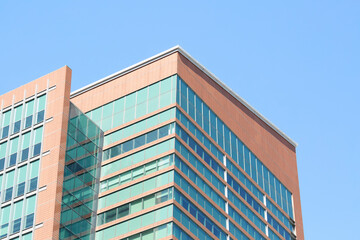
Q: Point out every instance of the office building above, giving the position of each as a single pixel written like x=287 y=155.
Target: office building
x=159 y=150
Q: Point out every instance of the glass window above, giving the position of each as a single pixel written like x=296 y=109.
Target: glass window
x=126 y=177
x=149 y=201
x=106 y=123
x=150 y=167
x=136 y=206
x=5 y=213
x=110 y=215
x=14 y=145
x=9 y=185
x=123 y=211
x=112 y=182
x=29 y=211
x=141 y=109
x=108 y=110
x=13 y=151
x=27 y=236
x=118 y=119
x=119 y=105
x=151 y=136
x=154 y=90
x=29 y=108
x=130 y=100
x=5 y=124
x=142 y=95
x=34 y=169
x=37 y=141
x=25 y=139
x=41 y=109
x=128 y=146
x=17 y=212
x=148 y=235
x=10 y=179
x=34 y=172
x=2 y=155
x=139 y=141
x=17 y=119
x=164 y=131
x=38 y=135
x=138 y=172
x=41 y=103
x=136 y=189
x=96 y=115
x=21 y=179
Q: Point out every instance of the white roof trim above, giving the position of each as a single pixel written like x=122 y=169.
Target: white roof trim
x=198 y=65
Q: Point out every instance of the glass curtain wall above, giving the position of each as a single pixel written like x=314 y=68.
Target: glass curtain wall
x=81 y=177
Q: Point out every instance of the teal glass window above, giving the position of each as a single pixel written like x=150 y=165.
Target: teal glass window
x=137 y=157
x=1 y=180
x=14 y=143
x=29 y=112
x=130 y=145
x=139 y=126
x=40 y=115
x=3 y=147
x=38 y=133
x=9 y=186
x=136 y=104
x=16 y=217
x=136 y=223
x=136 y=189
x=5 y=125
x=21 y=181
x=29 y=212
x=5 y=213
x=137 y=172
x=28 y=236
x=25 y=147
x=135 y=206
x=17 y=119
x=34 y=173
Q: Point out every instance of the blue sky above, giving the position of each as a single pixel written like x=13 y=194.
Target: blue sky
x=297 y=62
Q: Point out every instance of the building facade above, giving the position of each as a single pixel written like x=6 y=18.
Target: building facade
x=160 y=150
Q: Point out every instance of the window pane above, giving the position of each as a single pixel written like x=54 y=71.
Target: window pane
x=41 y=103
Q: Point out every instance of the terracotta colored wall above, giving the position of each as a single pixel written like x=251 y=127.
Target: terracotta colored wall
x=274 y=151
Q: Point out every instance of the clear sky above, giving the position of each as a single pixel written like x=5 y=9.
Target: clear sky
x=297 y=62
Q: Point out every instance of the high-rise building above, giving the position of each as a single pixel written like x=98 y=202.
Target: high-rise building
x=160 y=150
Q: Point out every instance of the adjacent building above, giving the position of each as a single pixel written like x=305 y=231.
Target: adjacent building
x=160 y=150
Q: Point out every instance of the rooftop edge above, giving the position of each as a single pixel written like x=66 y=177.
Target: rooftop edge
x=198 y=65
